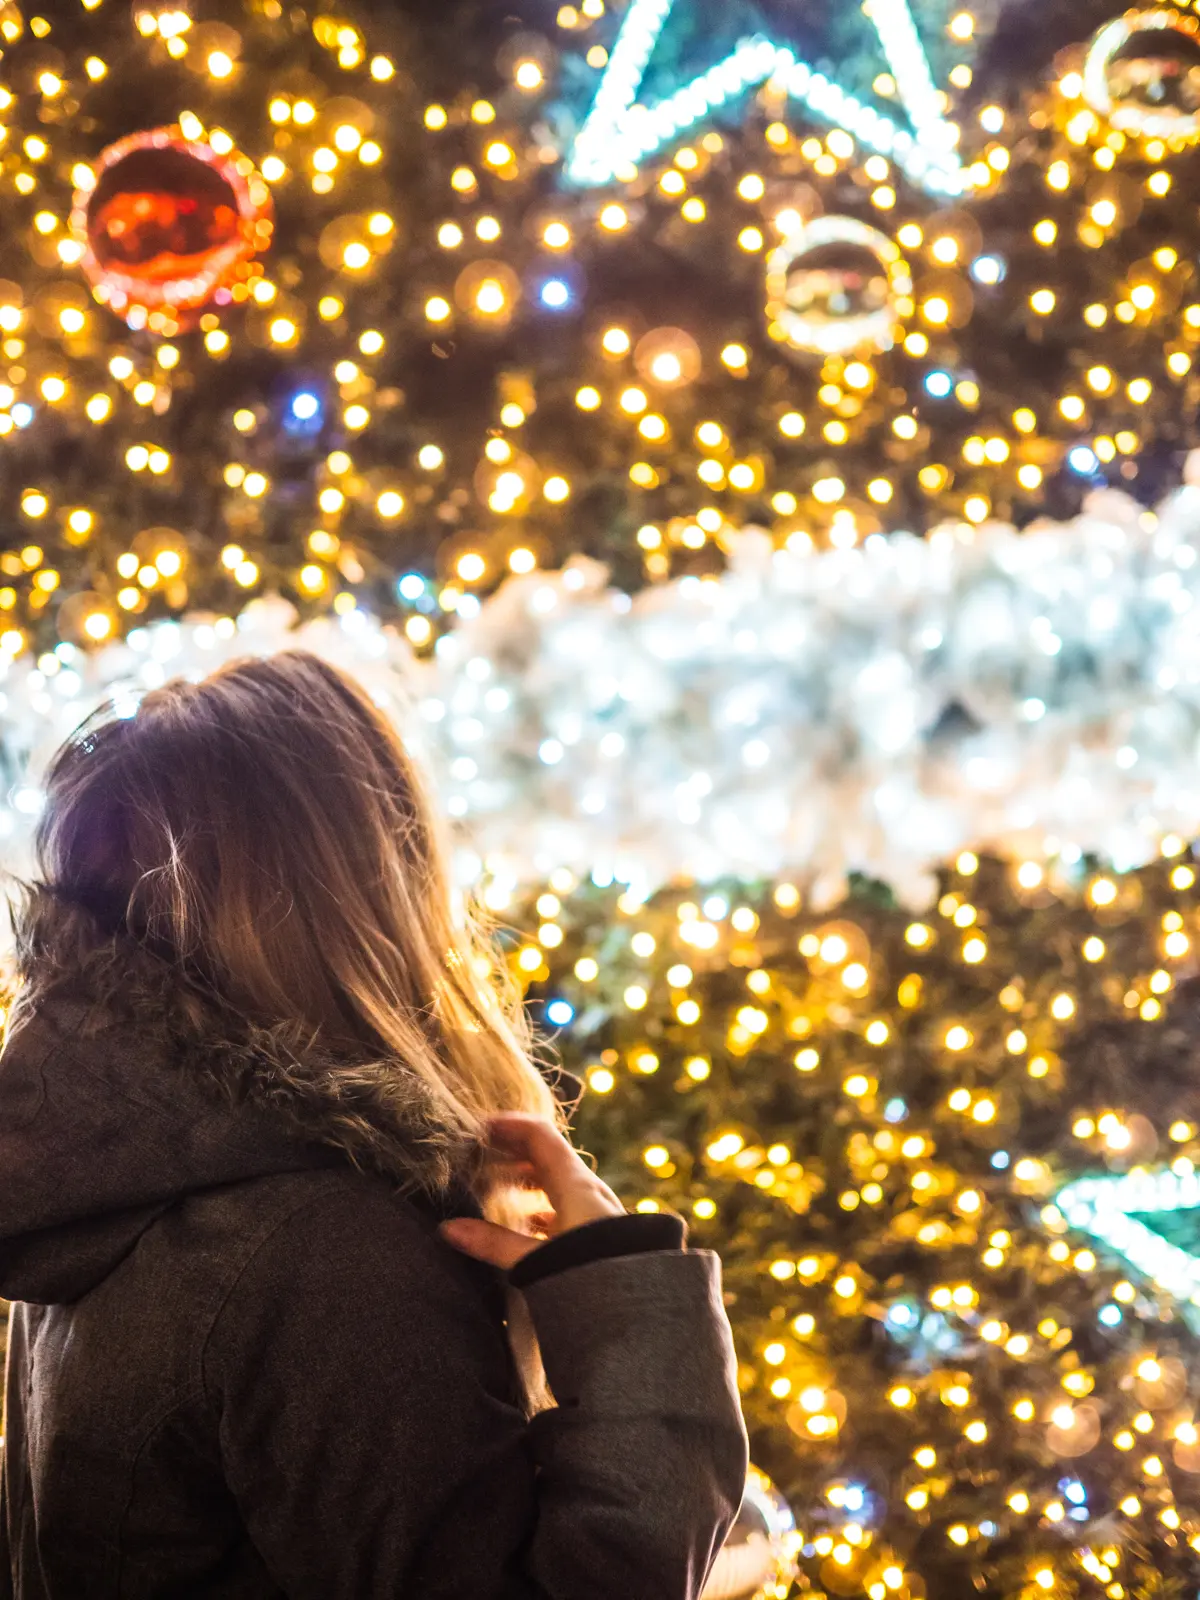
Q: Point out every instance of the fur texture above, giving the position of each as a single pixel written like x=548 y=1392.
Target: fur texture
x=369 y=1107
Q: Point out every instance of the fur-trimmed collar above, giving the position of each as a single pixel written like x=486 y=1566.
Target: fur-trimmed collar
x=370 y=1108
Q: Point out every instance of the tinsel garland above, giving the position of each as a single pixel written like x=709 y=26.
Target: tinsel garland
x=870 y=710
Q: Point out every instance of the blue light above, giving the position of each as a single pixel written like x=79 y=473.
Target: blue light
x=555 y=294
x=411 y=586
x=1082 y=459
x=1074 y=1491
x=988 y=1529
x=901 y=1315
x=1110 y=1315
x=853 y=1498
x=895 y=1111
x=22 y=414
x=1000 y=1159
x=716 y=907
x=560 y=1012
x=939 y=384
x=988 y=269
x=305 y=406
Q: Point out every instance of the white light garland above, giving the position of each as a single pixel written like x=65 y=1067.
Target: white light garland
x=1101 y=1207
x=936 y=169
x=641 y=130
x=869 y=710
x=910 y=68
x=617 y=133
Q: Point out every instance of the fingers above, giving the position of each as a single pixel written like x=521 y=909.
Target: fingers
x=534 y=1140
x=520 y=1174
x=487 y=1241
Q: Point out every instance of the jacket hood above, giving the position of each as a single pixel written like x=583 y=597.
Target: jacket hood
x=122 y=1089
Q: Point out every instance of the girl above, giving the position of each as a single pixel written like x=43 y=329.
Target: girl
x=265 y=1109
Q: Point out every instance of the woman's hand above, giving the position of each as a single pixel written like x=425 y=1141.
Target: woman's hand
x=546 y=1162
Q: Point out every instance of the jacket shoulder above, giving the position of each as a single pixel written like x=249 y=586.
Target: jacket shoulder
x=301 y=1233
x=294 y=1220
x=272 y=1244
x=338 y=1271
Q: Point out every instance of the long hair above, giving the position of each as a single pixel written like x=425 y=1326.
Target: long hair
x=266 y=835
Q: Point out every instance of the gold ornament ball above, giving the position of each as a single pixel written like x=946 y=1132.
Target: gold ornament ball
x=760 y=1548
x=1142 y=74
x=832 y=288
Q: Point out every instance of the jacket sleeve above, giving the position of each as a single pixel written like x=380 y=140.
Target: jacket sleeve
x=594 y=1241
x=361 y=1380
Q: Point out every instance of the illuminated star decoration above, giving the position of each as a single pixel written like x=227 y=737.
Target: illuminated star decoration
x=1109 y=1208
x=619 y=133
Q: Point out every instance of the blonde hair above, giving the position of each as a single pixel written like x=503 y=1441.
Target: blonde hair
x=266 y=831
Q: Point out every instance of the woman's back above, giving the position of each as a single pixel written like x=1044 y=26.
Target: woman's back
x=246 y=1369
x=245 y=1362
x=201 y=1285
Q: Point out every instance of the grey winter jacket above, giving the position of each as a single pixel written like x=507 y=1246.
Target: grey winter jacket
x=244 y=1367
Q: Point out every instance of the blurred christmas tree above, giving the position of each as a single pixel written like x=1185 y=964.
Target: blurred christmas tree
x=442 y=358
x=874 y=1118
x=376 y=306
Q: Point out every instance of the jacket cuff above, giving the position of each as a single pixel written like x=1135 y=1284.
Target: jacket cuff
x=636 y=1335
x=597 y=1241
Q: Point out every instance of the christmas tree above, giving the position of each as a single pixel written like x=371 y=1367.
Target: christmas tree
x=803 y=329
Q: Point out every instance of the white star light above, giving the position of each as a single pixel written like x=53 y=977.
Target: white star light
x=1102 y=1207
x=618 y=132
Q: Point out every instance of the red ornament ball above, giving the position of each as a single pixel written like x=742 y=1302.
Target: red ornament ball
x=169 y=226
